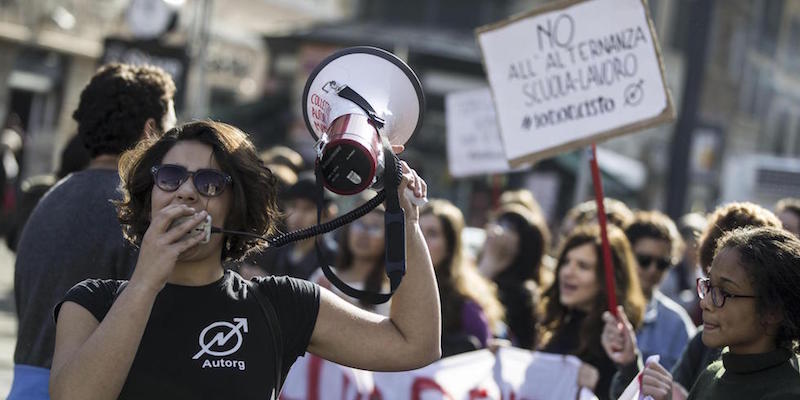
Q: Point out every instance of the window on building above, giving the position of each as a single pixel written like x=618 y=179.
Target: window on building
x=777 y=137
x=793 y=46
x=769 y=25
x=680 y=25
x=796 y=149
x=448 y=14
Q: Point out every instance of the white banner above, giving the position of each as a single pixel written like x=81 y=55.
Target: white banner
x=511 y=374
x=473 y=139
x=574 y=72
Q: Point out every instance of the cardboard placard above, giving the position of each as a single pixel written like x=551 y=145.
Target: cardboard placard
x=473 y=139
x=574 y=72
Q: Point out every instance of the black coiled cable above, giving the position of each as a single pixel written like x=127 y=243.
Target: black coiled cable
x=316 y=230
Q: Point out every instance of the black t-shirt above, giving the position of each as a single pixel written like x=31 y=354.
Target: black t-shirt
x=212 y=341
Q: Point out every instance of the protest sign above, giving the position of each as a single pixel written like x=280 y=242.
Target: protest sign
x=574 y=72
x=473 y=139
x=464 y=376
x=313 y=378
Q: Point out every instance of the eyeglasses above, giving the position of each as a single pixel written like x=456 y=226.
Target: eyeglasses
x=208 y=182
x=372 y=230
x=718 y=295
x=645 y=261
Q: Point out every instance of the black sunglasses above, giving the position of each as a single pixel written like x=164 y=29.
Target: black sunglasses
x=646 y=260
x=208 y=182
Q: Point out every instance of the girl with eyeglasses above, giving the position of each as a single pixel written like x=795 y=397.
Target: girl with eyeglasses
x=360 y=260
x=749 y=304
x=696 y=356
x=183 y=327
x=571 y=312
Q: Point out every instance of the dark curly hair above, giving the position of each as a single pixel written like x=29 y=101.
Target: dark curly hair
x=771 y=257
x=655 y=225
x=727 y=218
x=254 y=207
x=117 y=103
x=629 y=293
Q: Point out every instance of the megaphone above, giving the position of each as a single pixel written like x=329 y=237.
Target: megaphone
x=356 y=104
x=352 y=97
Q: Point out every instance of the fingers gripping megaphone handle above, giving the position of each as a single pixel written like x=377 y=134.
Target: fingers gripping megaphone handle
x=417 y=201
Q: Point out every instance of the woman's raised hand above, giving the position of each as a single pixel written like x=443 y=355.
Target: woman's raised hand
x=418 y=188
x=618 y=338
x=161 y=245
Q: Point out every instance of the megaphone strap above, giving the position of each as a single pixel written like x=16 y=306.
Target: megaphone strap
x=395 y=234
x=349 y=94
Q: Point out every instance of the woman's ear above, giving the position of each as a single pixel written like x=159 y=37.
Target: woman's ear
x=772 y=316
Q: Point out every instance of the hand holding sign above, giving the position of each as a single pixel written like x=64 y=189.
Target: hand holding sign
x=618 y=338
x=656 y=381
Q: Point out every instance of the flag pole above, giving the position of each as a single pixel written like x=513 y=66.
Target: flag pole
x=602 y=220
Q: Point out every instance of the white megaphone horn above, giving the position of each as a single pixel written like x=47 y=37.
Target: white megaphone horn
x=350 y=99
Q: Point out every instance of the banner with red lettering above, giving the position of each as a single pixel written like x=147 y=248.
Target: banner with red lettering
x=509 y=374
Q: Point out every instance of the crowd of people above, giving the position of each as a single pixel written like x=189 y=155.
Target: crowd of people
x=117 y=282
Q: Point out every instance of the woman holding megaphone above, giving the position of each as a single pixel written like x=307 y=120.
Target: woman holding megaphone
x=183 y=327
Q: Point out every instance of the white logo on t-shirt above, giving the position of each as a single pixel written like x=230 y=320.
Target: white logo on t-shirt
x=222 y=338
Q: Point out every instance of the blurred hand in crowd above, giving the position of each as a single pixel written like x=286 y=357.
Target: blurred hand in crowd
x=588 y=376
x=618 y=338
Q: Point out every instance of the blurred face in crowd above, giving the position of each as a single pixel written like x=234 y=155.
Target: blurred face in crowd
x=577 y=278
x=790 y=222
x=737 y=323
x=434 y=236
x=300 y=213
x=653 y=260
x=690 y=257
x=193 y=156
x=366 y=238
x=501 y=246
